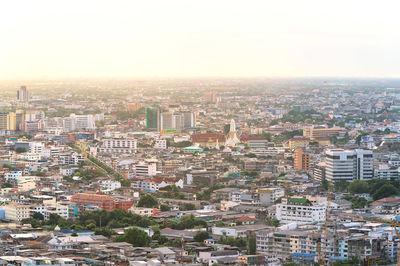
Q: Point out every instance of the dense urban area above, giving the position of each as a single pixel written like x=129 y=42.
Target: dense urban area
x=200 y=172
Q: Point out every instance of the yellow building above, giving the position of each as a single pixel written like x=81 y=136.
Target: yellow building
x=16 y=212
x=8 y=121
x=298 y=142
x=321 y=132
x=323 y=141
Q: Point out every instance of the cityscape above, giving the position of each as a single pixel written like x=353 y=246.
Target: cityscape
x=213 y=133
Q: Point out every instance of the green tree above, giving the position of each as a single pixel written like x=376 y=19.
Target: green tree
x=325 y=184
x=386 y=190
x=251 y=245
x=147 y=201
x=358 y=186
x=136 y=237
x=272 y=222
x=164 y=208
x=20 y=150
x=201 y=236
x=341 y=185
x=188 y=207
x=38 y=216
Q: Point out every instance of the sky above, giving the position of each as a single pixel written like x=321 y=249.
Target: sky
x=203 y=38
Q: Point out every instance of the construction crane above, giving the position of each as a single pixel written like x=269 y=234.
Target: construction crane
x=324 y=236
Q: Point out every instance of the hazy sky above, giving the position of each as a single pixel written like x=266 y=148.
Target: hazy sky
x=95 y=38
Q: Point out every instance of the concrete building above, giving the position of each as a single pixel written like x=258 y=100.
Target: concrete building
x=23 y=94
x=16 y=212
x=299 y=210
x=301 y=160
x=119 y=145
x=349 y=164
x=387 y=172
x=153 y=119
x=8 y=121
x=322 y=132
x=268 y=196
x=160 y=144
x=284 y=243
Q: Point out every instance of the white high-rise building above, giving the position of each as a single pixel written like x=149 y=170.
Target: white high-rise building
x=349 y=164
x=78 y=122
x=172 y=121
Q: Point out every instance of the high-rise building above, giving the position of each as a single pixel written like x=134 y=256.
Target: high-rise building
x=20 y=119
x=166 y=121
x=23 y=94
x=189 y=119
x=301 y=160
x=172 y=121
x=349 y=164
x=8 y=121
x=153 y=119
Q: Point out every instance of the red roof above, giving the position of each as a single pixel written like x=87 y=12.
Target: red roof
x=386 y=200
x=90 y=196
x=245 y=219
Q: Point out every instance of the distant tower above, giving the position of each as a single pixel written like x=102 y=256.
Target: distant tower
x=23 y=94
x=232 y=138
x=153 y=119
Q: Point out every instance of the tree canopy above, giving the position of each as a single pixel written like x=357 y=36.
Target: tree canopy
x=135 y=236
x=147 y=201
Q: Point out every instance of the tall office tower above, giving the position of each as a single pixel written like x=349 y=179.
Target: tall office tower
x=20 y=118
x=23 y=94
x=153 y=119
x=301 y=160
x=8 y=121
x=166 y=121
x=172 y=121
x=349 y=164
x=177 y=121
x=3 y=120
x=189 y=120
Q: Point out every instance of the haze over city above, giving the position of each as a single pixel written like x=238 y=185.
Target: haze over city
x=97 y=38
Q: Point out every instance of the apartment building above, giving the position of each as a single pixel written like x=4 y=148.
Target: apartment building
x=301 y=160
x=284 y=243
x=16 y=212
x=268 y=196
x=387 y=172
x=70 y=158
x=119 y=145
